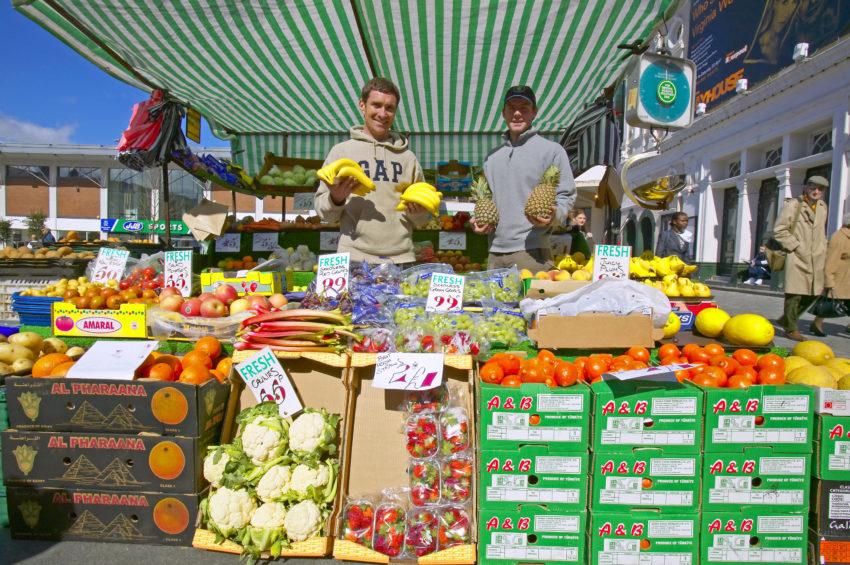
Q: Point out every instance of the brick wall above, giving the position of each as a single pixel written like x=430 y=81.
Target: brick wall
x=78 y=202
x=22 y=200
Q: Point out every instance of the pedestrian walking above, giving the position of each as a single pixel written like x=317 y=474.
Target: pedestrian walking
x=676 y=240
x=836 y=276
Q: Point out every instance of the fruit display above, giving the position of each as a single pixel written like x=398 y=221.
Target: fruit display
x=95 y=296
x=423 y=194
x=204 y=362
x=295 y=176
x=28 y=353
x=64 y=252
x=424 y=481
x=421 y=536
x=455 y=527
x=501 y=285
x=454 y=431
x=358 y=522
x=542 y=198
x=751 y=330
x=390 y=529
x=456 y=477
x=453 y=222
x=146 y=278
x=422 y=437
x=814 y=363
x=741 y=368
x=452 y=333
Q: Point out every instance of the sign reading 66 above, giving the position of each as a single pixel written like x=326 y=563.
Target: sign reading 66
x=109 y=265
x=269 y=382
x=178 y=271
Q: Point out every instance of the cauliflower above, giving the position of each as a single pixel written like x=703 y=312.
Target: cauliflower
x=226 y=465
x=263 y=436
x=313 y=433
x=229 y=510
x=303 y=520
x=214 y=471
x=266 y=531
x=313 y=481
x=274 y=483
x=270 y=515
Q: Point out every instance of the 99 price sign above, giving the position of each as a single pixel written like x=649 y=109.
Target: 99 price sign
x=109 y=265
x=445 y=293
x=332 y=274
x=178 y=271
x=269 y=382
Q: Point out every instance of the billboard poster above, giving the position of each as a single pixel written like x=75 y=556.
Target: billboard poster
x=734 y=39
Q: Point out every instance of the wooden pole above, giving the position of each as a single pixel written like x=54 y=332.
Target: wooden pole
x=166 y=204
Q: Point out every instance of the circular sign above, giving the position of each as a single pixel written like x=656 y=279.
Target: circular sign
x=664 y=91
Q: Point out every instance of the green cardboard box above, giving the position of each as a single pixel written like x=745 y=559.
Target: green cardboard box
x=533 y=474
x=757 y=478
x=758 y=536
x=832 y=448
x=532 y=534
x=533 y=413
x=644 y=537
x=780 y=417
x=647 y=478
x=641 y=413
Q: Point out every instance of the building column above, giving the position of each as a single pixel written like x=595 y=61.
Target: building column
x=838 y=191
x=52 y=205
x=707 y=238
x=104 y=198
x=789 y=179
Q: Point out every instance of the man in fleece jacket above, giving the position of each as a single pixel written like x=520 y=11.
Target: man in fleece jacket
x=513 y=170
x=370 y=227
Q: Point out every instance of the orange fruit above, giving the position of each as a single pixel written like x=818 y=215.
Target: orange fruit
x=150 y=361
x=771 y=376
x=173 y=361
x=714 y=349
x=698 y=355
x=511 y=381
x=717 y=374
x=195 y=374
x=197 y=358
x=509 y=363
x=566 y=373
x=770 y=360
x=595 y=368
x=61 y=370
x=209 y=345
x=219 y=376
x=739 y=381
x=45 y=365
x=639 y=353
x=546 y=356
x=166 y=460
x=607 y=357
x=162 y=372
x=171 y=516
x=688 y=348
x=224 y=366
x=169 y=406
x=530 y=374
x=627 y=359
x=581 y=367
x=683 y=375
x=746 y=357
x=491 y=372
x=705 y=380
x=667 y=350
x=728 y=364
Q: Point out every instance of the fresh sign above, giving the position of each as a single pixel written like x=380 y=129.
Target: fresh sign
x=611 y=262
x=445 y=293
x=110 y=264
x=269 y=382
x=408 y=371
x=178 y=271
x=332 y=273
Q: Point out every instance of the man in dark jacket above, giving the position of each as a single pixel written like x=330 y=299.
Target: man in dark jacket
x=673 y=241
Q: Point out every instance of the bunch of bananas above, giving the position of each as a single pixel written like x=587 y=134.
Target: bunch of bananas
x=423 y=194
x=657 y=195
x=346 y=168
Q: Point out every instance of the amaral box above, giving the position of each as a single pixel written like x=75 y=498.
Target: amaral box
x=104 y=461
x=115 y=406
x=92 y=515
x=644 y=537
x=645 y=478
x=759 y=536
x=531 y=534
x=832 y=448
x=780 y=417
x=641 y=413
x=129 y=321
x=533 y=474
x=534 y=414
x=831 y=508
x=756 y=478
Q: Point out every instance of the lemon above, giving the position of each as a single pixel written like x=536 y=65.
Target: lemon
x=811 y=375
x=815 y=352
x=710 y=322
x=793 y=362
x=672 y=326
x=748 y=329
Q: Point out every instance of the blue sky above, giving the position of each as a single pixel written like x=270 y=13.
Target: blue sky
x=51 y=94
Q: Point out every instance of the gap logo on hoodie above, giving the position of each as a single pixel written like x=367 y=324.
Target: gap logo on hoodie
x=382 y=172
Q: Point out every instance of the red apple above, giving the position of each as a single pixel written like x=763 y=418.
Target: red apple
x=171 y=303
x=170 y=291
x=258 y=302
x=226 y=293
x=206 y=296
x=213 y=308
x=278 y=300
x=239 y=305
x=191 y=307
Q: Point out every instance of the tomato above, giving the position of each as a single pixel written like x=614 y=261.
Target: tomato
x=595 y=368
x=622 y=359
x=639 y=365
x=745 y=357
x=509 y=363
x=747 y=371
x=714 y=349
x=705 y=380
x=771 y=376
x=739 y=381
x=607 y=357
x=688 y=348
x=771 y=360
x=566 y=373
x=581 y=367
x=717 y=374
x=683 y=375
x=698 y=369
x=492 y=373
x=546 y=356
x=728 y=364
x=639 y=353
x=617 y=366
x=667 y=350
x=511 y=381
x=124 y=284
x=698 y=355
x=148 y=273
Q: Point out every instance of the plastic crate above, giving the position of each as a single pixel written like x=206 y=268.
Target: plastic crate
x=34 y=310
x=13 y=285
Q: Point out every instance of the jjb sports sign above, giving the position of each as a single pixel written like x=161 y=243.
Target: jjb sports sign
x=124 y=225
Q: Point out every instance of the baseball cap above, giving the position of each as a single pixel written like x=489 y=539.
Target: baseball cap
x=817 y=180
x=521 y=91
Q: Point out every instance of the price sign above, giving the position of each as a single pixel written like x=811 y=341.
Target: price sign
x=665 y=373
x=178 y=271
x=110 y=264
x=328 y=240
x=452 y=240
x=611 y=262
x=304 y=201
x=269 y=382
x=228 y=243
x=264 y=242
x=332 y=274
x=408 y=371
x=445 y=293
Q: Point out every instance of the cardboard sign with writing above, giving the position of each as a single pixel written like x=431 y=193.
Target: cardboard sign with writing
x=112 y=360
x=332 y=273
x=452 y=240
x=445 y=293
x=178 y=271
x=611 y=262
x=264 y=242
x=660 y=373
x=328 y=240
x=408 y=371
x=228 y=243
x=269 y=382
x=109 y=265
x=304 y=201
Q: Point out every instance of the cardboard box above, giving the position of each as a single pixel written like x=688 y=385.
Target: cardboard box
x=647 y=478
x=92 y=515
x=533 y=474
x=828 y=550
x=780 y=417
x=832 y=448
x=252 y=282
x=122 y=462
x=830 y=511
x=757 y=478
x=129 y=321
x=533 y=413
x=593 y=331
x=642 y=413
x=832 y=401
x=98 y=405
x=644 y=537
x=758 y=536
x=532 y=534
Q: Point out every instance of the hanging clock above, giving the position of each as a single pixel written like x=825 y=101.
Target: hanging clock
x=660 y=92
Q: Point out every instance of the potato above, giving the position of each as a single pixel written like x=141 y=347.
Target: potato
x=75 y=353
x=22 y=366
x=54 y=345
x=5 y=369
x=9 y=353
x=30 y=340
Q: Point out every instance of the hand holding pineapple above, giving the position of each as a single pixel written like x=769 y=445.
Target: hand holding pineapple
x=485 y=216
x=540 y=207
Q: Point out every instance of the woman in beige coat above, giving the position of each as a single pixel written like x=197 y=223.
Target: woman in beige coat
x=836 y=276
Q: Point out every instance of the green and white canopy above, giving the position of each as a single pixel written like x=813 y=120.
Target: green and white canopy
x=256 y=67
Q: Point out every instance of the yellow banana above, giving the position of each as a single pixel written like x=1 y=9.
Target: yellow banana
x=330 y=171
x=420 y=197
x=423 y=185
x=357 y=173
x=428 y=196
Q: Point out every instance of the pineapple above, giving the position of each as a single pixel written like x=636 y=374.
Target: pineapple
x=485 y=212
x=542 y=198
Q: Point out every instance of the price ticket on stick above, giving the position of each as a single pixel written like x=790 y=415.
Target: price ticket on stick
x=408 y=371
x=452 y=240
x=269 y=382
x=228 y=243
x=445 y=293
x=264 y=242
x=332 y=274
x=178 y=271
x=110 y=264
x=611 y=262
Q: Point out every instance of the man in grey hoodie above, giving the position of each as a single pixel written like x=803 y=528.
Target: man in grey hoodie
x=513 y=170
x=370 y=227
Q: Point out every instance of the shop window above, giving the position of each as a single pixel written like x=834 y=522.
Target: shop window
x=23 y=175
x=129 y=194
x=821 y=141
x=734 y=168
x=185 y=193
x=79 y=176
x=773 y=157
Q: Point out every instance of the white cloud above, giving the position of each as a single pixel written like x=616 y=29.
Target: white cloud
x=13 y=130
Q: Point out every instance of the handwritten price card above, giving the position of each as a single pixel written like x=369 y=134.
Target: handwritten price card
x=178 y=271
x=452 y=240
x=611 y=262
x=445 y=293
x=332 y=274
x=110 y=264
x=328 y=240
x=269 y=382
x=303 y=201
x=408 y=371
x=228 y=243
x=264 y=242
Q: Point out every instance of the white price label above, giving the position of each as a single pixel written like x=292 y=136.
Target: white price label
x=666 y=373
x=452 y=240
x=328 y=240
x=611 y=262
x=445 y=293
x=332 y=274
x=178 y=271
x=408 y=371
x=228 y=243
x=304 y=201
x=269 y=382
x=110 y=264
x=264 y=242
